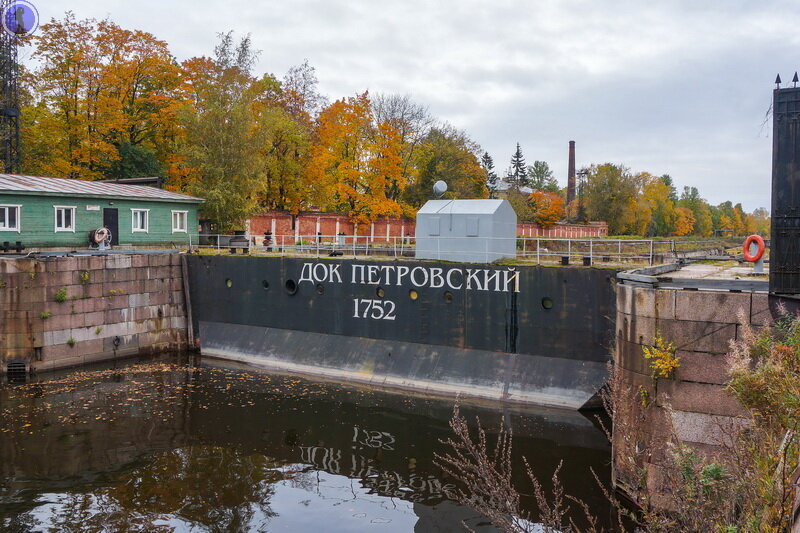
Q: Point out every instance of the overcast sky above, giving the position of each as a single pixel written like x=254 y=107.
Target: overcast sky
x=678 y=88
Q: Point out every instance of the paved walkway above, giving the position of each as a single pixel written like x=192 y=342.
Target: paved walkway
x=719 y=270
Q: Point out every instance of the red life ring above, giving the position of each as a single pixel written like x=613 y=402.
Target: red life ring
x=100 y=235
x=759 y=252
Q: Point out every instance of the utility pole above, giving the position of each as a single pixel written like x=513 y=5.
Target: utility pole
x=581 y=178
x=11 y=31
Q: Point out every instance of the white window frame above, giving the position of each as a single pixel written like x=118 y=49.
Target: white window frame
x=185 y=221
x=72 y=208
x=18 y=207
x=146 y=229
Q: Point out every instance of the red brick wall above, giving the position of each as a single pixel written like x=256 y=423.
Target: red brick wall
x=564 y=231
x=307 y=224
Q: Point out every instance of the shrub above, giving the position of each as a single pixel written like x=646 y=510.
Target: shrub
x=61 y=295
x=745 y=487
x=662 y=357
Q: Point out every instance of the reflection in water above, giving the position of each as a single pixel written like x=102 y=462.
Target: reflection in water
x=168 y=446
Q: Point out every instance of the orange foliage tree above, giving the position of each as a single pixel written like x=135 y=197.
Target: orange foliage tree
x=547 y=208
x=99 y=88
x=725 y=223
x=684 y=221
x=353 y=162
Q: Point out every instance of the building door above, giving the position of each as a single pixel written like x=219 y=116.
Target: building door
x=111 y=221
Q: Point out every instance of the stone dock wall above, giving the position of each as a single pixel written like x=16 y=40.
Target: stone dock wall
x=57 y=312
x=694 y=407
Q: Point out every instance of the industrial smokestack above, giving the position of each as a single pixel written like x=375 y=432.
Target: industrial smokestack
x=571 y=173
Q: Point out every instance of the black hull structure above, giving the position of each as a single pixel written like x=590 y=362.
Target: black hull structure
x=537 y=335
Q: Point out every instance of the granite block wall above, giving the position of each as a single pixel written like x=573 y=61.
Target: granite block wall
x=57 y=312
x=692 y=406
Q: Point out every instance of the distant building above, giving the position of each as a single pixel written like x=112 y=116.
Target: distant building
x=503 y=186
x=55 y=212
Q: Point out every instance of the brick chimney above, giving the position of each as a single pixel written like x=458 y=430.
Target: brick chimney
x=571 y=173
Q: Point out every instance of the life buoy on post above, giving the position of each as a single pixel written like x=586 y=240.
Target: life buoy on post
x=100 y=235
x=760 y=250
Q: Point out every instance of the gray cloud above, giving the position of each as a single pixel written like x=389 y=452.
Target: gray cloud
x=669 y=87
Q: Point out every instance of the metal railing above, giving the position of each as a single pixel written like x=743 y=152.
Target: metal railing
x=538 y=250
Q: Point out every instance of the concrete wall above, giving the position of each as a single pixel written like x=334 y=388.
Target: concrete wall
x=137 y=299
x=694 y=404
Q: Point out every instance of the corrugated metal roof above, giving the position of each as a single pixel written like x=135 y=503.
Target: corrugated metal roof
x=28 y=184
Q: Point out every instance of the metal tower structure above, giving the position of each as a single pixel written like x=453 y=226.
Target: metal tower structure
x=9 y=97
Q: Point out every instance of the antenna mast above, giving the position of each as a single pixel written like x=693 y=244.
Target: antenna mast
x=9 y=95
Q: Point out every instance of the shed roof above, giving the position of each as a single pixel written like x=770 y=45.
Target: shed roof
x=461 y=207
x=60 y=186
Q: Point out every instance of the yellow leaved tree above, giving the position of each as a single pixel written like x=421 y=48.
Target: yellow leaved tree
x=354 y=162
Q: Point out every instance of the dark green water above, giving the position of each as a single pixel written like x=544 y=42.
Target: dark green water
x=167 y=445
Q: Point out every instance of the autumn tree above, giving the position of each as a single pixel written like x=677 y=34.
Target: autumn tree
x=684 y=221
x=356 y=164
x=520 y=203
x=725 y=224
x=762 y=221
x=101 y=96
x=67 y=82
x=449 y=155
x=611 y=195
x=703 y=225
x=658 y=195
x=739 y=220
x=690 y=199
x=39 y=131
x=220 y=153
x=540 y=178
x=412 y=122
x=283 y=144
x=300 y=94
x=547 y=208
x=749 y=224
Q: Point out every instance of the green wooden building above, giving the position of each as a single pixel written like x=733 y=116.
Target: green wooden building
x=61 y=213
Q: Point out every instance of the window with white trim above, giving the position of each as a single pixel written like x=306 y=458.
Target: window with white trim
x=65 y=218
x=140 y=220
x=179 y=221
x=9 y=218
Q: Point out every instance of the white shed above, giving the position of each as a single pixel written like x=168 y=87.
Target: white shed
x=474 y=231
